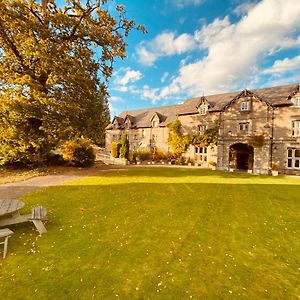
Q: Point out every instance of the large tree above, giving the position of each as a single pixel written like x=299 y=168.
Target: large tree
x=54 y=64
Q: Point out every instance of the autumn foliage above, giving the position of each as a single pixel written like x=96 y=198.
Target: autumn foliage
x=55 y=60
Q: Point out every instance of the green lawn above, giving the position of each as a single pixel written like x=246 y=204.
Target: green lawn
x=160 y=233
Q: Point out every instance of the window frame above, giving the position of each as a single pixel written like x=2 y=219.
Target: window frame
x=247 y=126
x=296 y=130
x=296 y=101
x=201 y=153
x=202 y=128
x=293 y=161
x=245 y=106
x=203 y=110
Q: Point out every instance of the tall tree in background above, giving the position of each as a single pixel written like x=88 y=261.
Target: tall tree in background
x=51 y=86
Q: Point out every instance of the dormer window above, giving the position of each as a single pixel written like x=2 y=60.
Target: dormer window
x=296 y=102
x=245 y=106
x=202 y=109
x=127 y=125
x=154 y=123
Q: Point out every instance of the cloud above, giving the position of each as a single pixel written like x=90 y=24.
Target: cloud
x=184 y=3
x=283 y=66
x=116 y=99
x=164 y=44
x=164 y=77
x=127 y=75
x=243 y=8
x=150 y=94
x=234 y=51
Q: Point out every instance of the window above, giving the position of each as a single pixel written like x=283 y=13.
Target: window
x=154 y=137
x=143 y=133
x=245 y=106
x=127 y=125
x=202 y=129
x=201 y=153
x=296 y=101
x=244 y=126
x=202 y=110
x=114 y=137
x=293 y=161
x=135 y=137
x=296 y=128
x=155 y=123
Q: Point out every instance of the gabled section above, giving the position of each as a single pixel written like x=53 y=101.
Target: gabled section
x=295 y=96
x=156 y=119
x=203 y=106
x=117 y=123
x=129 y=121
x=247 y=97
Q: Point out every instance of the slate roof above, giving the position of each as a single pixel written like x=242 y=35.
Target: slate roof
x=275 y=96
x=143 y=117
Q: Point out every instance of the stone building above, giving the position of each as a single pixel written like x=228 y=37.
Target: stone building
x=258 y=129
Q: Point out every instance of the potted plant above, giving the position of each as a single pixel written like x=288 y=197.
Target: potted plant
x=275 y=169
x=213 y=165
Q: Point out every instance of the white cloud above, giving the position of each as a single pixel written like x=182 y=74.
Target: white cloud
x=244 y=8
x=127 y=75
x=116 y=99
x=235 y=50
x=184 y=3
x=285 y=65
x=151 y=94
x=121 y=88
x=164 y=44
x=164 y=77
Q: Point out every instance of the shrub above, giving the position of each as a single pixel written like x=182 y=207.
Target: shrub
x=78 y=152
x=182 y=160
x=159 y=155
x=132 y=156
x=84 y=157
x=212 y=163
x=124 y=150
x=54 y=159
x=115 y=149
x=143 y=154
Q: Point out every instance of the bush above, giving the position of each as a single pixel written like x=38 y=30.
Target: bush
x=132 y=156
x=182 y=160
x=115 y=149
x=84 y=157
x=124 y=150
x=54 y=159
x=159 y=155
x=143 y=154
x=78 y=152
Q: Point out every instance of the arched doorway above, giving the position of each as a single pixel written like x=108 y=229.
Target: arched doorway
x=241 y=156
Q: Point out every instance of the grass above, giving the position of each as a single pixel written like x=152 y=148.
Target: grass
x=160 y=233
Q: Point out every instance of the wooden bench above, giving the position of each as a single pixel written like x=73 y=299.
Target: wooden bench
x=39 y=214
x=5 y=233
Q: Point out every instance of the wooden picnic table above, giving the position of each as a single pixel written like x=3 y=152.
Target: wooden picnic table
x=10 y=207
x=10 y=214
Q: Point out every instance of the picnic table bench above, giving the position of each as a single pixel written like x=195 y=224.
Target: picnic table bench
x=10 y=214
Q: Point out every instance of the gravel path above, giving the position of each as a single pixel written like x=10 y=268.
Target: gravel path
x=17 y=189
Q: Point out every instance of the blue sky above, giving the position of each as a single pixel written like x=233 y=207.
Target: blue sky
x=196 y=47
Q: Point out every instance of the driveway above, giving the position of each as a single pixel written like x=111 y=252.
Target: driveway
x=17 y=189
